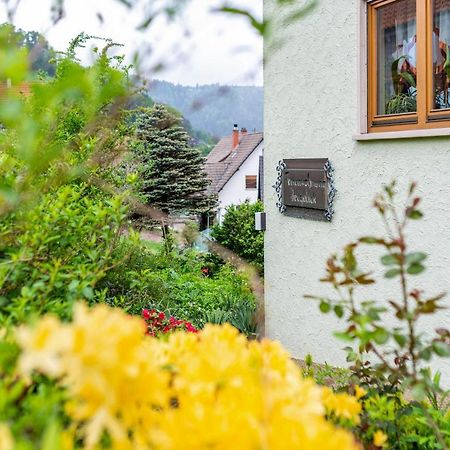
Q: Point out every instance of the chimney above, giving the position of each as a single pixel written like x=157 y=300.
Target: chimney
x=235 y=141
x=244 y=131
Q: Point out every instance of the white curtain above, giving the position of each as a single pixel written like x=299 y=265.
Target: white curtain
x=441 y=32
x=405 y=35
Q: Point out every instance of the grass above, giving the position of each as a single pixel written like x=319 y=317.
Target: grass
x=153 y=247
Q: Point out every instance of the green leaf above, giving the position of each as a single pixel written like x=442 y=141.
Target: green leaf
x=441 y=348
x=73 y=285
x=425 y=354
x=419 y=392
x=392 y=273
x=308 y=360
x=339 y=311
x=373 y=314
x=400 y=339
x=390 y=259
x=380 y=336
x=343 y=336
x=408 y=78
x=324 y=307
x=254 y=22
x=415 y=269
x=349 y=259
x=88 y=292
x=352 y=356
x=415 y=257
x=52 y=436
x=415 y=214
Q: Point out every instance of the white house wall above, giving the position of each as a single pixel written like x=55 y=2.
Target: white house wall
x=311 y=98
x=234 y=192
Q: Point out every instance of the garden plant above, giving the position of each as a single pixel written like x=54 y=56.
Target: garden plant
x=237 y=232
x=403 y=400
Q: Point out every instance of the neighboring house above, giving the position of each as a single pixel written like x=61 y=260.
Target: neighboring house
x=235 y=168
x=330 y=93
x=6 y=86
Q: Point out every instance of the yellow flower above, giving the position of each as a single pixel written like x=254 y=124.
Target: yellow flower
x=41 y=346
x=213 y=389
x=379 y=438
x=6 y=439
x=359 y=392
x=342 y=405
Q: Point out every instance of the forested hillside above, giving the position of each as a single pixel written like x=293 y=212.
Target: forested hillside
x=213 y=108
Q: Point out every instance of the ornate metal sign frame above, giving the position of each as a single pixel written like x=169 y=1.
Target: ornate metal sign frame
x=303 y=212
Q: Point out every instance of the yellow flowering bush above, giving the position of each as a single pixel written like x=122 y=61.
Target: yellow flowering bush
x=379 y=439
x=341 y=405
x=211 y=390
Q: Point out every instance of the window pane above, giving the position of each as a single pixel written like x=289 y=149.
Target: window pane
x=396 y=46
x=441 y=54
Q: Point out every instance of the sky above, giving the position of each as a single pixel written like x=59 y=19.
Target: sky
x=200 y=47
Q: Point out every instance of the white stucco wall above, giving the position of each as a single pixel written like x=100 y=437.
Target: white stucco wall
x=311 y=96
x=234 y=192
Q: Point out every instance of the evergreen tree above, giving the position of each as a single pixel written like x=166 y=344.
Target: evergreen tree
x=171 y=173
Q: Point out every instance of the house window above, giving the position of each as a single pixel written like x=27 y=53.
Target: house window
x=250 y=182
x=408 y=64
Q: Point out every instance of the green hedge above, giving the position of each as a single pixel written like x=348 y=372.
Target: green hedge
x=237 y=232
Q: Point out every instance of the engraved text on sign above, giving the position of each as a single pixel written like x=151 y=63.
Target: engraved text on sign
x=305 y=188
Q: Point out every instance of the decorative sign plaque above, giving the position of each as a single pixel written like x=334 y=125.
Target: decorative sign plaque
x=305 y=188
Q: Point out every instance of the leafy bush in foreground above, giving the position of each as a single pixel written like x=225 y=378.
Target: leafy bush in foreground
x=55 y=253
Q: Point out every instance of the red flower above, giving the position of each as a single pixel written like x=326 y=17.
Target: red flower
x=190 y=327
x=158 y=323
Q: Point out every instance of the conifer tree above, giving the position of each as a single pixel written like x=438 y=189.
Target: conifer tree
x=171 y=174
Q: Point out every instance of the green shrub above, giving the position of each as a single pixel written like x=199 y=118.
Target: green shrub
x=407 y=425
x=237 y=232
x=189 y=286
x=54 y=253
x=190 y=233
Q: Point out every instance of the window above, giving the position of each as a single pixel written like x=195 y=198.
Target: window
x=408 y=64
x=250 y=182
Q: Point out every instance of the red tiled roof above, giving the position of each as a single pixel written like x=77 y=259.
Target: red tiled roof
x=222 y=149
x=23 y=88
x=224 y=161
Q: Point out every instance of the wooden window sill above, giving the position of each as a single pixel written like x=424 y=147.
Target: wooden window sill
x=430 y=132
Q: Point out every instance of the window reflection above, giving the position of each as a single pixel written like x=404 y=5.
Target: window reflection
x=441 y=54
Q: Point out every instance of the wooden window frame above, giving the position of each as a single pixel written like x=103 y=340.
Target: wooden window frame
x=252 y=178
x=425 y=117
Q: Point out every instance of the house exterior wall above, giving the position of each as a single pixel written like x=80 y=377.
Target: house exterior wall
x=234 y=192
x=311 y=111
